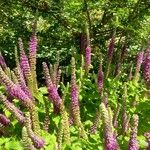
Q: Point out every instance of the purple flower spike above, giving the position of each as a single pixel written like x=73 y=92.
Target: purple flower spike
x=110 y=139
x=74 y=88
x=52 y=90
x=13 y=89
x=22 y=82
x=133 y=143
x=17 y=92
x=37 y=141
x=110 y=143
x=2 y=62
x=146 y=71
x=18 y=114
x=53 y=93
x=32 y=59
x=74 y=95
x=4 y=120
x=87 y=58
x=24 y=62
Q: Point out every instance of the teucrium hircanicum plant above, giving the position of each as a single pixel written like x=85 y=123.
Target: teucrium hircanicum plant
x=25 y=67
x=57 y=103
x=26 y=141
x=38 y=142
x=146 y=70
x=125 y=117
x=96 y=122
x=60 y=136
x=52 y=89
x=139 y=60
x=65 y=123
x=20 y=87
x=110 y=142
x=74 y=101
x=12 y=108
x=32 y=60
x=133 y=143
x=14 y=90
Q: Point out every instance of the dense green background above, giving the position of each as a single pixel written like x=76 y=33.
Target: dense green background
x=61 y=25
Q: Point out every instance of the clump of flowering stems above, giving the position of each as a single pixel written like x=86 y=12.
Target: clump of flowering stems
x=22 y=88
x=57 y=101
x=147 y=135
x=133 y=143
x=25 y=66
x=52 y=89
x=16 y=91
x=21 y=81
x=38 y=142
x=74 y=101
x=110 y=54
x=146 y=70
x=109 y=135
x=27 y=69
